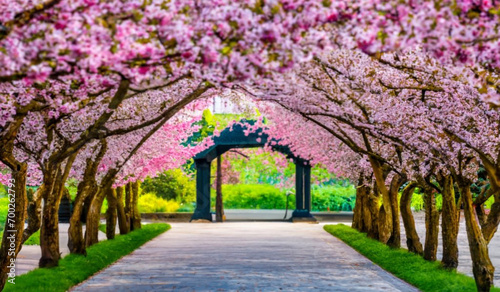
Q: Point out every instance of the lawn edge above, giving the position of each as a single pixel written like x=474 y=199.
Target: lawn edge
x=9 y=288
x=493 y=288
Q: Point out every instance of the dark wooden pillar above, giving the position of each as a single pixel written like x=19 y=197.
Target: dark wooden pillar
x=202 y=210
x=302 y=189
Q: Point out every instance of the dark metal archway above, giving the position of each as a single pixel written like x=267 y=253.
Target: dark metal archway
x=234 y=137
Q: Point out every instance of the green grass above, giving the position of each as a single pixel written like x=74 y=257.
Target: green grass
x=33 y=240
x=102 y=227
x=74 y=269
x=425 y=275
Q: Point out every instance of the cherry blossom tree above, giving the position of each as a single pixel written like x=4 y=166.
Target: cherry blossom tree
x=389 y=92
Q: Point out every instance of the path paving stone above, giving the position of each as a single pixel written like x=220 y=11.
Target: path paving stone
x=248 y=256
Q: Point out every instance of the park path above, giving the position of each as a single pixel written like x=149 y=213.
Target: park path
x=247 y=256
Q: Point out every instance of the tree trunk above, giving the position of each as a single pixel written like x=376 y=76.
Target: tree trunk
x=396 y=183
x=111 y=214
x=479 y=201
x=481 y=264
x=431 y=224
x=357 y=219
x=219 y=207
x=94 y=216
x=128 y=204
x=14 y=225
x=449 y=224
x=34 y=213
x=366 y=216
x=491 y=225
x=123 y=221
x=385 y=220
x=86 y=190
x=76 y=241
x=135 y=222
x=412 y=238
x=54 y=179
x=49 y=232
x=373 y=209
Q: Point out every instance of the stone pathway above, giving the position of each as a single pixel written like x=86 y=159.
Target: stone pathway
x=250 y=256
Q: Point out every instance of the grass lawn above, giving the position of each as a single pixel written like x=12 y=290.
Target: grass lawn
x=102 y=228
x=425 y=275
x=74 y=269
x=33 y=240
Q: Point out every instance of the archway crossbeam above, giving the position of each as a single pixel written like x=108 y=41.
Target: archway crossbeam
x=238 y=136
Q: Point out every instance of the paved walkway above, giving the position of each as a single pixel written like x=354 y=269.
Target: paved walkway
x=266 y=256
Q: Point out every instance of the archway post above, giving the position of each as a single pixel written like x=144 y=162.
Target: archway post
x=202 y=211
x=302 y=190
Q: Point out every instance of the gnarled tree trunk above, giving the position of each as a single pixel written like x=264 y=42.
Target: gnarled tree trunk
x=373 y=209
x=76 y=241
x=123 y=220
x=34 y=213
x=13 y=232
x=86 y=189
x=111 y=214
x=385 y=222
x=431 y=224
x=396 y=183
x=481 y=264
x=54 y=179
x=450 y=224
x=14 y=224
x=489 y=228
x=128 y=203
x=358 y=221
x=135 y=217
x=94 y=216
x=49 y=231
x=366 y=216
x=412 y=238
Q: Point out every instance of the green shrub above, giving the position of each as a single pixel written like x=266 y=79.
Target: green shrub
x=150 y=203
x=439 y=202
x=171 y=185
x=417 y=202
x=489 y=202
x=333 y=197
x=186 y=207
x=254 y=196
x=72 y=186
x=257 y=196
x=4 y=207
x=3 y=190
